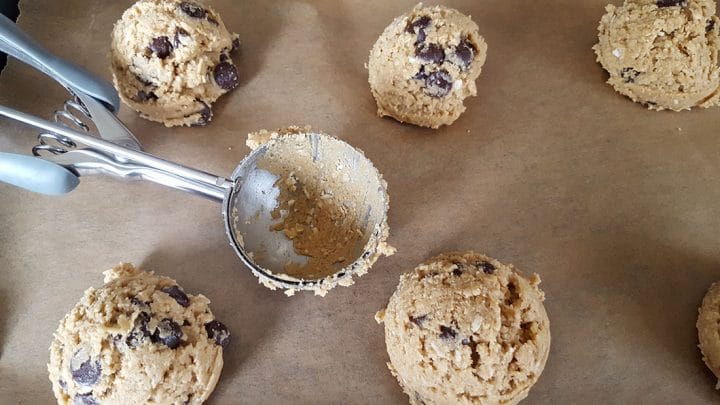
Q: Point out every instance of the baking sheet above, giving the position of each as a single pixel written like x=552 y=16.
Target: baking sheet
x=616 y=207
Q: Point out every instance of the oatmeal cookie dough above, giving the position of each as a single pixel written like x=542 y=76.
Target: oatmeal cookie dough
x=464 y=328
x=662 y=53
x=171 y=60
x=708 y=326
x=139 y=339
x=425 y=64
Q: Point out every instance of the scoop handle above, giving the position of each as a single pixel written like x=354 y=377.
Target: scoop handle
x=16 y=43
x=36 y=175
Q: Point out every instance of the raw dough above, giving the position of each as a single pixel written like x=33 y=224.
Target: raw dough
x=319 y=208
x=137 y=340
x=465 y=328
x=708 y=326
x=170 y=60
x=257 y=138
x=321 y=227
x=662 y=53
x=425 y=64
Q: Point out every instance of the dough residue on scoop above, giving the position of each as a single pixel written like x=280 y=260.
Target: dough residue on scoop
x=321 y=226
x=319 y=208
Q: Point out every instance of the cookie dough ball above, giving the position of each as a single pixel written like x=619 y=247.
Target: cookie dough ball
x=140 y=339
x=170 y=60
x=662 y=53
x=425 y=64
x=708 y=326
x=466 y=329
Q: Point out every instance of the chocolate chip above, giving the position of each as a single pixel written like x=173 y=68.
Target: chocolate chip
x=235 y=44
x=464 y=53
x=474 y=355
x=438 y=84
x=218 y=332
x=85 y=399
x=161 y=46
x=629 y=75
x=169 y=333
x=419 y=24
x=459 y=269
x=143 y=81
x=212 y=20
x=418 y=27
x=421 y=35
x=710 y=25
x=447 y=333
x=671 y=3
x=418 y=320
x=431 y=53
x=85 y=370
x=487 y=267
x=178 y=294
x=226 y=75
x=205 y=115
x=137 y=301
x=139 y=331
x=143 y=96
x=366 y=254
x=179 y=32
x=193 y=10
x=648 y=104
x=512 y=295
x=421 y=74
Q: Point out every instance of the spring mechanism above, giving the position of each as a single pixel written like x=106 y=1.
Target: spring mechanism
x=69 y=116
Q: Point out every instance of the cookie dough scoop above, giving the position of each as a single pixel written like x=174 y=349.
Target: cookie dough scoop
x=308 y=211
x=305 y=211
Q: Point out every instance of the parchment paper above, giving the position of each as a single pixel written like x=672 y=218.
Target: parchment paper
x=616 y=207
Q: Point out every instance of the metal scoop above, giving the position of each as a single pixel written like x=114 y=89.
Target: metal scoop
x=250 y=198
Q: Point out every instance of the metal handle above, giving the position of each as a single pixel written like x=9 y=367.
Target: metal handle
x=84 y=162
x=122 y=159
x=16 y=43
x=35 y=174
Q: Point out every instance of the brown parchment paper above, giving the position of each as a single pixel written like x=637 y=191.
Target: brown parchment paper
x=616 y=207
